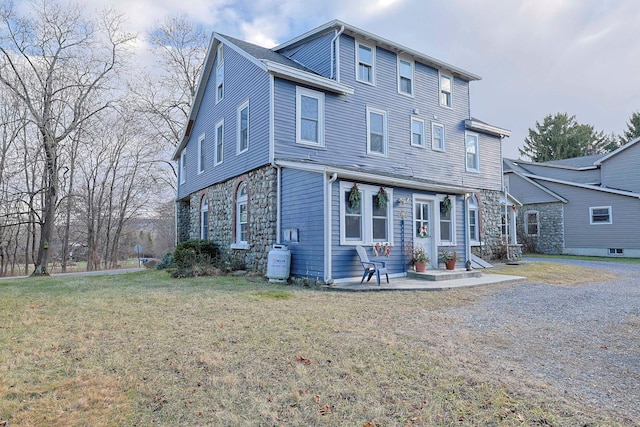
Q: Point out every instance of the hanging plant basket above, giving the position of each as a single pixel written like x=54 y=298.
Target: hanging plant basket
x=445 y=206
x=354 y=197
x=382 y=198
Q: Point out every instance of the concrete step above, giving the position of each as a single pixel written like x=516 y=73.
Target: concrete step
x=438 y=275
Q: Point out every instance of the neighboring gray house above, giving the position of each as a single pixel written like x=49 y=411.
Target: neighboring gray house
x=580 y=206
x=280 y=142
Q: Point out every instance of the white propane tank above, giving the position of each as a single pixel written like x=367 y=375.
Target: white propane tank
x=278 y=264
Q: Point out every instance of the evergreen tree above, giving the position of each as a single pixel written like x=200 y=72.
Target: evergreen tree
x=633 y=129
x=561 y=137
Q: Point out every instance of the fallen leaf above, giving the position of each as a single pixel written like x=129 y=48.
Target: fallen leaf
x=303 y=360
x=326 y=409
x=368 y=425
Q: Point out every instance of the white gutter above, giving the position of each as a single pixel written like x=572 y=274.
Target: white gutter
x=328 y=264
x=334 y=48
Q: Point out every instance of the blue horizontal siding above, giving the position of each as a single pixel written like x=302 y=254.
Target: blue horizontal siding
x=315 y=54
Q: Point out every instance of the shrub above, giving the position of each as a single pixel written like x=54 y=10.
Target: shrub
x=166 y=261
x=195 y=258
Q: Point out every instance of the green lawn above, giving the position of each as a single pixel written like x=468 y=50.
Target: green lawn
x=143 y=348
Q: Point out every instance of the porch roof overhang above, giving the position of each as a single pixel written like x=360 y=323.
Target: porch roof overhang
x=386 y=178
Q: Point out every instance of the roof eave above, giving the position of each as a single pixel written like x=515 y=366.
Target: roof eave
x=486 y=128
x=299 y=76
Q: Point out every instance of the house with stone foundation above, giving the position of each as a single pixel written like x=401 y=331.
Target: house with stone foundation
x=334 y=139
x=586 y=205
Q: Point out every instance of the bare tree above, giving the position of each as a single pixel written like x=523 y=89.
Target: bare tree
x=55 y=61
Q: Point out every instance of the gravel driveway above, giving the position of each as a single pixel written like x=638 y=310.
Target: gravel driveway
x=581 y=341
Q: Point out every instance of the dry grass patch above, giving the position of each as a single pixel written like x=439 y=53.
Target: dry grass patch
x=555 y=273
x=146 y=349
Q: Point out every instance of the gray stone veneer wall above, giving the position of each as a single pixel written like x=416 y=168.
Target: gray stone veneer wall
x=183 y=218
x=550 y=238
x=492 y=246
x=262 y=219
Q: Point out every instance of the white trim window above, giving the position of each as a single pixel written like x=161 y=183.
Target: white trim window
x=309 y=117
x=183 y=166
x=377 y=139
x=243 y=127
x=531 y=223
x=446 y=91
x=365 y=60
x=600 y=215
x=448 y=223
x=472 y=152
x=220 y=73
x=219 y=154
x=204 y=218
x=417 y=132
x=437 y=136
x=405 y=77
x=242 y=214
x=365 y=222
x=474 y=220
x=201 y=153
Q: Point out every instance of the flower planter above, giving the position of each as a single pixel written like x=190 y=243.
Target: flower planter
x=420 y=267
x=450 y=265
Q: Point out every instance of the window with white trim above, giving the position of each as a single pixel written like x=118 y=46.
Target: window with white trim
x=437 y=136
x=183 y=166
x=366 y=221
x=204 y=218
x=242 y=214
x=219 y=157
x=472 y=152
x=243 y=127
x=531 y=224
x=474 y=220
x=600 y=215
x=309 y=117
x=417 y=132
x=201 y=153
x=405 y=77
x=447 y=223
x=220 y=74
x=446 y=90
x=365 y=60
x=377 y=132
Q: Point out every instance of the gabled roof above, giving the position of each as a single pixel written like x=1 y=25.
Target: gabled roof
x=379 y=41
x=512 y=167
x=585 y=186
x=582 y=162
x=618 y=151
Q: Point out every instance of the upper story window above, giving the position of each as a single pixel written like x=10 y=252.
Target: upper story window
x=365 y=60
x=201 y=153
x=446 y=90
x=437 y=136
x=220 y=73
x=474 y=220
x=219 y=142
x=309 y=117
x=183 y=166
x=600 y=215
x=377 y=140
x=531 y=223
x=405 y=77
x=417 y=132
x=243 y=127
x=204 y=219
x=472 y=152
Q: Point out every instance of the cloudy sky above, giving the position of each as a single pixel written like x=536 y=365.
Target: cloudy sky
x=536 y=57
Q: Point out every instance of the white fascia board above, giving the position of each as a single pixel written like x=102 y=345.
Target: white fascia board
x=373 y=177
x=299 y=76
x=585 y=186
x=615 y=152
x=486 y=128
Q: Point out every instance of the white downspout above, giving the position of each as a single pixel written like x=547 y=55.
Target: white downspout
x=334 y=56
x=328 y=264
x=467 y=232
x=278 y=202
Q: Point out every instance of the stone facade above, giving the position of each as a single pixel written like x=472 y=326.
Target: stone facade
x=492 y=245
x=550 y=237
x=262 y=219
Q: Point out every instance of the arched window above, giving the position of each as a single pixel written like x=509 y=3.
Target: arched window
x=204 y=219
x=474 y=220
x=242 y=214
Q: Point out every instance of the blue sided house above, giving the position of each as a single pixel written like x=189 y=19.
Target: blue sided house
x=335 y=139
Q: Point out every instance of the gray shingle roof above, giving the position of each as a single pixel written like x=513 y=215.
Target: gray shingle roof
x=577 y=162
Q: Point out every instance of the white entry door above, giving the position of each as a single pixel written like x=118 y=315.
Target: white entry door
x=423 y=229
